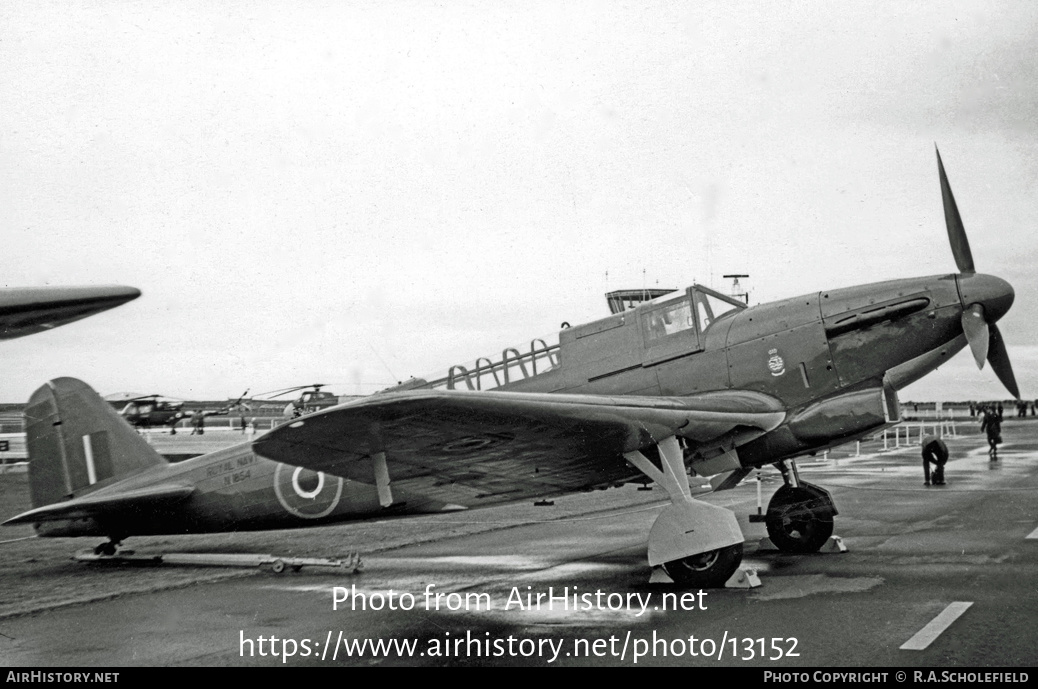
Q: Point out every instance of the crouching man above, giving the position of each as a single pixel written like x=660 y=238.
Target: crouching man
x=934 y=452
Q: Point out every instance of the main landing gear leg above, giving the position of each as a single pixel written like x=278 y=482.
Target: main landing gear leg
x=698 y=544
x=800 y=515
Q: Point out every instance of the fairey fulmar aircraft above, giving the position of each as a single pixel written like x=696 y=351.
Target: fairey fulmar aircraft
x=689 y=381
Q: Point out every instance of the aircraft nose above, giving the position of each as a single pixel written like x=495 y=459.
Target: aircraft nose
x=994 y=293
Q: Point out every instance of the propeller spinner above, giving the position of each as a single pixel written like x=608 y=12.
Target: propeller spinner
x=985 y=298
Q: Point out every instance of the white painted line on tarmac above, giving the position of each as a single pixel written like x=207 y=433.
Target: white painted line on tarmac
x=925 y=636
x=1033 y=535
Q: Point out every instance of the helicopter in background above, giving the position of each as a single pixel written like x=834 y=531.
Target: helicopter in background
x=312 y=399
x=148 y=411
x=157 y=411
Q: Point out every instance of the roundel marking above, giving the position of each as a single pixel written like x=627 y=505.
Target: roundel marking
x=469 y=443
x=303 y=493
x=289 y=487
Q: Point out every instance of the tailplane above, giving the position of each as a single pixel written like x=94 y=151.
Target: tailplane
x=77 y=442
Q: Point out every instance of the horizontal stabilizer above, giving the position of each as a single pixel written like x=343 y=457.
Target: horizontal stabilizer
x=105 y=503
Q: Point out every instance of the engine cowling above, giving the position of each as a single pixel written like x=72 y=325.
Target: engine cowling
x=825 y=423
x=847 y=415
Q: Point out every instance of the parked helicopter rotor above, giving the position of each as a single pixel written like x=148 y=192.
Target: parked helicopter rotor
x=312 y=399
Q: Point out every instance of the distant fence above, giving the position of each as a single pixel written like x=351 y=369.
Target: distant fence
x=912 y=432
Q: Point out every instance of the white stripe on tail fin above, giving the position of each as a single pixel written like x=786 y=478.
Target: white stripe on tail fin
x=77 y=442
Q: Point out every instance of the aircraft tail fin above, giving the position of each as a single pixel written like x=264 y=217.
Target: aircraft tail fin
x=77 y=442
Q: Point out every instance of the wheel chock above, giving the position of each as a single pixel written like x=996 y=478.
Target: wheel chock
x=766 y=544
x=743 y=578
x=834 y=545
x=660 y=577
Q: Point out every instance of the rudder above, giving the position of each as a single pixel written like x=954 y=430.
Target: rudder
x=77 y=442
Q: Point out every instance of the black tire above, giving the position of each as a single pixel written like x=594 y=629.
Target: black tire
x=799 y=535
x=278 y=566
x=706 y=570
x=107 y=549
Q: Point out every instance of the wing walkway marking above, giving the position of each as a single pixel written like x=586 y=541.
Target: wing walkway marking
x=925 y=636
x=1032 y=536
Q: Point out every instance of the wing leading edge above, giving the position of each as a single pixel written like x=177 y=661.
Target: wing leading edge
x=28 y=310
x=454 y=445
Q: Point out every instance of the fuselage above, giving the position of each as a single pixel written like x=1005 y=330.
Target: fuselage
x=237 y=490
x=832 y=359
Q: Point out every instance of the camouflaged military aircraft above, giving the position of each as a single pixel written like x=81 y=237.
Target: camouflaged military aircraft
x=691 y=381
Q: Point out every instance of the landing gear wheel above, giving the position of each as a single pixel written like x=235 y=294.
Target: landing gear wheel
x=108 y=549
x=800 y=520
x=278 y=566
x=705 y=570
x=799 y=535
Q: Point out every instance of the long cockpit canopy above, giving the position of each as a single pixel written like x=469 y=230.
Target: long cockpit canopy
x=513 y=364
x=662 y=313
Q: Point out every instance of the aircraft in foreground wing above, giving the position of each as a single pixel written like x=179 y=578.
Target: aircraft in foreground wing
x=690 y=381
x=28 y=310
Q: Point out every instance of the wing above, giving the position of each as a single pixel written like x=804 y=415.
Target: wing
x=478 y=447
x=105 y=503
x=28 y=310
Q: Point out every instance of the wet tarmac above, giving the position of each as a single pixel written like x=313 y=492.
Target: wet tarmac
x=937 y=577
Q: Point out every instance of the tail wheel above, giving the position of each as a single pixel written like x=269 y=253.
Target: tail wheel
x=799 y=535
x=108 y=548
x=705 y=570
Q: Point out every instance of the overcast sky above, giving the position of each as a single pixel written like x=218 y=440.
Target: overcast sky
x=354 y=193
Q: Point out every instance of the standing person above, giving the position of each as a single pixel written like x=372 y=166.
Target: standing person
x=197 y=423
x=934 y=452
x=992 y=423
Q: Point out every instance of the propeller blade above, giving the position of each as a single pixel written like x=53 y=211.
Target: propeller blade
x=960 y=246
x=976 y=330
x=999 y=358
